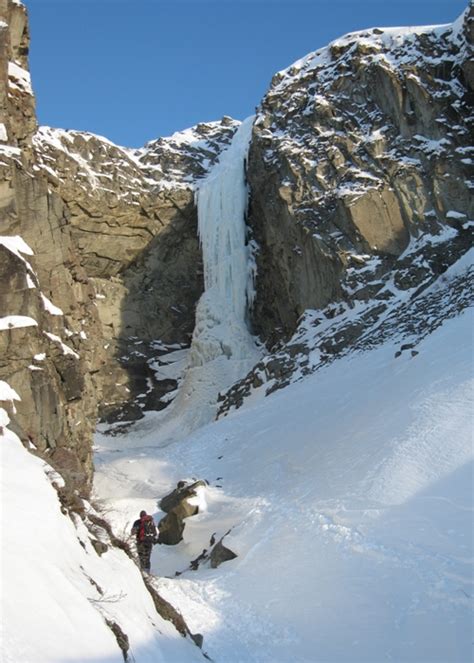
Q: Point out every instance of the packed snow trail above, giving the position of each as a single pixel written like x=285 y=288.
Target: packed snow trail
x=222 y=349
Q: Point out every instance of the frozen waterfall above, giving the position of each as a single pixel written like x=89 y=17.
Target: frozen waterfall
x=222 y=349
x=221 y=327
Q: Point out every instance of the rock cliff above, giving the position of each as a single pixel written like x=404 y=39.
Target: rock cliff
x=132 y=219
x=358 y=148
x=361 y=193
x=46 y=299
x=100 y=270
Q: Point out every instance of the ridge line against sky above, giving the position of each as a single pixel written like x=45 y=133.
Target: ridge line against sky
x=134 y=76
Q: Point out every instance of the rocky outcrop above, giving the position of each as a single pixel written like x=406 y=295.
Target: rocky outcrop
x=358 y=149
x=361 y=198
x=138 y=248
x=17 y=103
x=168 y=612
x=214 y=556
x=133 y=221
x=45 y=310
x=220 y=554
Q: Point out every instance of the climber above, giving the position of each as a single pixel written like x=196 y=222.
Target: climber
x=144 y=529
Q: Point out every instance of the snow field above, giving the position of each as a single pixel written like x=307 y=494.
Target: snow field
x=349 y=495
x=338 y=494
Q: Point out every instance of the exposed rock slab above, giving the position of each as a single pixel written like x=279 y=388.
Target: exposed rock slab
x=220 y=554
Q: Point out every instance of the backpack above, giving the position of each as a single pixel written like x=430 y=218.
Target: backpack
x=147 y=529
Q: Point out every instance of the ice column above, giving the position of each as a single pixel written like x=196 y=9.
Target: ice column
x=222 y=349
x=221 y=312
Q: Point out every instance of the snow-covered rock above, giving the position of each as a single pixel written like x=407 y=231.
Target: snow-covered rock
x=359 y=196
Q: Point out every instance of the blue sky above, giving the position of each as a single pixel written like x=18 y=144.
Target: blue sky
x=134 y=70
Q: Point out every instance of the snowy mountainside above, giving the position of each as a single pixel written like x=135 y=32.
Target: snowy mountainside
x=94 y=162
x=357 y=149
x=403 y=315
x=187 y=155
x=340 y=492
x=343 y=483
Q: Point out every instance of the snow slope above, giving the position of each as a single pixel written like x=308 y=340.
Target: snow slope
x=349 y=495
x=57 y=593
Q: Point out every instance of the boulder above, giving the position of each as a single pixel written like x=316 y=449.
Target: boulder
x=219 y=554
x=182 y=492
x=177 y=508
x=171 y=529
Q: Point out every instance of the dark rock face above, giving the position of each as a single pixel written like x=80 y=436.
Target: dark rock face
x=361 y=198
x=171 y=529
x=295 y=270
x=214 y=556
x=121 y=637
x=42 y=355
x=357 y=149
x=132 y=218
x=168 y=612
